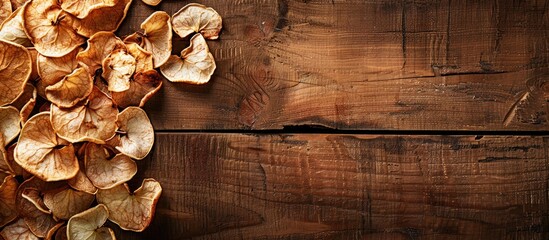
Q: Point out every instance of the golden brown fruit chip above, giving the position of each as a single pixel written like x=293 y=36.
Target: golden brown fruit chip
x=96 y=21
x=135 y=211
x=18 y=231
x=41 y=152
x=33 y=196
x=198 y=18
x=14 y=71
x=81 y=8
x=51 y=70
x=16 y=4
x=195 y=66
x=5 y=10
x=156 y=37
x=66 y=202
x=13 y=166
x=12 y=29
x=87 y=225
x=81 y=182
x=72 y=89
x=106 y=172
x=118 y=68
x=53 y=231
x=100 y=45
x=142 y=87
x=8 y=190
x=9 y=124
x=93 y=121
x=143 y=58
x=61 y=234
x=137 y=136
x=152 y=2
x=51 y=29
x=25 y=102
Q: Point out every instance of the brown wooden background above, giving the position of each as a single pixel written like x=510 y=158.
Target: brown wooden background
x=425 y=110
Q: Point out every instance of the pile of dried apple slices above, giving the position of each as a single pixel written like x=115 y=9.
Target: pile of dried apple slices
x=71 y=122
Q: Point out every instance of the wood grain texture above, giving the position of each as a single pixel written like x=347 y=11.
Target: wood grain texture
x=234 y=186
x=355 y=64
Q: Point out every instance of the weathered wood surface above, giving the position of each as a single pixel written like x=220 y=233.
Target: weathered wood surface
x=315 y=186
x=356 y=64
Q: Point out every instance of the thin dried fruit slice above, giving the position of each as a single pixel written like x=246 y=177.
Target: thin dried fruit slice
x=196 y=64
x=14 y=71
x=34 y=72
x=25 y=102
x=97 y=22
x=32 y=195
x=118 y=68
x=66 y=202
x=51 y=234
x=41 y=152
x=81 y=182
x=51 y=29
x=156 y=37
x=12 y=29
x=13 y=166
x=137 y=136
x=39 y=222
x=100 y=45
x=143 y=86
x=152 y=2
x=93 y=121
x=10 y=124
x=106 y=172
x=61 y=234
x=198 y=18
x=143 y=58
x=72 y=89
x=87 y=225
x=81 y=8
x=135 y=211
x=18 y=231
x=51 y=70
x=5 y=10
x=8 y=190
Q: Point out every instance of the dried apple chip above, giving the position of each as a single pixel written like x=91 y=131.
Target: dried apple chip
x=61 y=234
x=41 y=152
x=12 y=29
x=8 y=189
x=66 y=202
x=51 y=30
x=137 y=133
x=18 y=231
x=25 y=102
x=196 y=64
x=51 y=70
x=14 y=71
x=143 y=58
x=81 y=182
x=100 y=45
x=5 y=10
x=9 y=124
x=156 y=37
x=131 y=211
x=81 y=8
x=118 y=68
x=97 y=22
x=88 y=225
x=106 y=172
x=198 y=18
x=72 y=89
x=94 y=120
x=143 y=86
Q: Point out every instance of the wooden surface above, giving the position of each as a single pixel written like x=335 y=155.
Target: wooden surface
x=441 y=65
x=356 y=64
x=315 y=186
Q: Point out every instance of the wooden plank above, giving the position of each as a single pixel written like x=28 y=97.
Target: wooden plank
x=355 y=64
x=235 y=186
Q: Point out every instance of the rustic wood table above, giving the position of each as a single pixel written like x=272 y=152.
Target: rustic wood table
x=355 y=119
